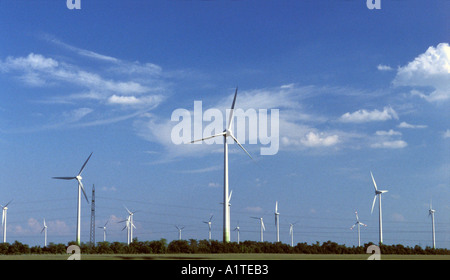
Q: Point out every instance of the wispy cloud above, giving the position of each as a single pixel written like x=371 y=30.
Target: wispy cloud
x=430 y=69
x=382 y=67
x=413 y=126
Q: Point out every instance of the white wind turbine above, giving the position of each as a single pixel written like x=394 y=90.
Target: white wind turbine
x=209 y=226
x=291 y=233
x=358 y=223
x=431 y=213
x=44 y=229
x=104 y=230
x=80 y=188
x=263 y=228
x=378 y=193
x=179 y=231
x=4 y=214
x=237 y=228
x=277 y=221
x=131 y=223
x=127 y=226
x=226 y=133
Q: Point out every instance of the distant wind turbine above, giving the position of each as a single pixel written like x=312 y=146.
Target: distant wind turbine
x=44 y=229
x=80 y=188
x=226 y=133
x=127 y=226
x=179 y=231
x=263 y=228
x=378 y=193
x=209 y=226
x=431 y=213
x=358 y=223
x=4 y=214
x=277 y=221
x=104 y=230
x=237 y=228
x=131 y=223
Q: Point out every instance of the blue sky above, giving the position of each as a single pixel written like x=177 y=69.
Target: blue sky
x=358 y=90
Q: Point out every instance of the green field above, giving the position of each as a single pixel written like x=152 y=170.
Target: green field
x=224 y=257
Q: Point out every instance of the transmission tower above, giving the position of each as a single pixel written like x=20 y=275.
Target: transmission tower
x=92 y=237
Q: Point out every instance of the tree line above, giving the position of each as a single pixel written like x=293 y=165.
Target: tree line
x=193 y=246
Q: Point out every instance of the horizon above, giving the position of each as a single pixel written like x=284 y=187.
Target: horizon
x=358 y=90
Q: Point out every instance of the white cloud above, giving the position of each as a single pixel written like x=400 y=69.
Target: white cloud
x=319 y=140
x=362 y=116
x=407 y=125
x=396 y=144
x=382 y=67
x=430 y=69
x=446 y=134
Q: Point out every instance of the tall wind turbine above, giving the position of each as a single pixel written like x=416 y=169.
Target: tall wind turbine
x=263 y=228
x=209 y=226
x=104 y=230
x=358 y=223
x=80 y=188
x=4 y=214
x=237 y=228
x=226 y=133
x=277 y=221
x=179 y=232
x=291 y=233
x=431 y=213
x=44 y=229
x=378 y=193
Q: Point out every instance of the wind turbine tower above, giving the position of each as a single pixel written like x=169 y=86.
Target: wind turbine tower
x=263 y=228
x=44 y=229
x=358 y=224
x=209 y=226
x=179 y=231
x=378 y=193
x=80 y=189
x=225 y=134
x=237 y=228
x=431 y=213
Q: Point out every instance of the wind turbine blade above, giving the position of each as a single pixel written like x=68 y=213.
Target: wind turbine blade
x=235 y=140
x=229 y=197
x=8 y=203
x=82 y=188
x=209 y=137
x=353 y=226
x=230 y=118
x=255 y=218
x=276 y=206
x=81 y=170
x=211 y=218
x=42 y=229
x=129 y=212
x=373 y=203
x=374 y=184
x=64 y=178
x=262 y=224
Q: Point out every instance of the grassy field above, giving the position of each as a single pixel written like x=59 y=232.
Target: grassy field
x=225 y=257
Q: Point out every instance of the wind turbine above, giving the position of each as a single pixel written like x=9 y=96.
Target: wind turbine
x=378 y=193
x=127 y=226
x=291 y=233
x=80 y=188
x=4 y=214
x=104 y=230
x=237 y=228
x=226 y=133
x=44 y=229
x=179 y=232
x=277 y=221
x=209 y=226
x=263 y=228
x=131 y=226
x=431 y=213
x=358 y=223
